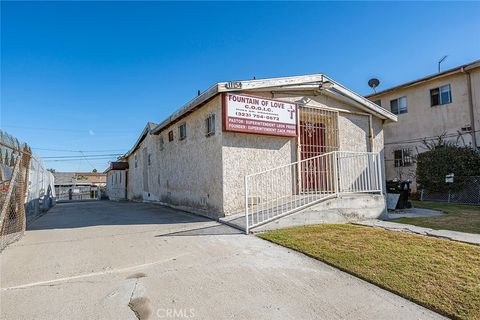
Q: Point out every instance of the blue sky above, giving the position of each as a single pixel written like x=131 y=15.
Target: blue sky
x=88 y=76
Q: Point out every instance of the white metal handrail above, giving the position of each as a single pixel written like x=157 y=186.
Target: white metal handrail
x=282 y=190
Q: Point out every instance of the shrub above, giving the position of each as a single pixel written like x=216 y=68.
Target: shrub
x=435 y=164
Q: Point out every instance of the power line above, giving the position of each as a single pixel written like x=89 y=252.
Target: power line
x=88 y=161
x=66 y=150
x=67 y=130
x=84 y=156
x=80 y=159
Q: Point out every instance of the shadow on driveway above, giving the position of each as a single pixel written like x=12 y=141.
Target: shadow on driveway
x=102 y=213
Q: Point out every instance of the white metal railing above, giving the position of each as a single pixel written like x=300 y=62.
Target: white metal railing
x=279 y=191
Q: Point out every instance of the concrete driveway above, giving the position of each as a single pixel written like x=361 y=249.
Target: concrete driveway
x=108 y=260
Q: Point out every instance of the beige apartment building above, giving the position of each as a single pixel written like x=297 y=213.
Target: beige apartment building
x=446 y=103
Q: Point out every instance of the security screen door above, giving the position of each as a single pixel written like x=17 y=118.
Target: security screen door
x=318 y=135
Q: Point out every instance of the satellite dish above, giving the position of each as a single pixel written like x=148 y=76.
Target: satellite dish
x=373 y=83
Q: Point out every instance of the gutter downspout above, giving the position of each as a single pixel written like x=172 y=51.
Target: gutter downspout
x=370 y=127
x=470 y=107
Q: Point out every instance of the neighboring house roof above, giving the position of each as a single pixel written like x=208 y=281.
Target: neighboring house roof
x=147 y=129
x=305 y=82
x=79 y=178
x=462 y=68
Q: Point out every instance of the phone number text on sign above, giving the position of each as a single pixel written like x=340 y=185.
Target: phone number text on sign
x=259 y=115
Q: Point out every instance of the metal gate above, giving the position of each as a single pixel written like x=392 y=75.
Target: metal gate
x=318 y=134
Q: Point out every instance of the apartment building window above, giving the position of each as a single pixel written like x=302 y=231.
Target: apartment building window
x=170 y=136
x=182 y=130
x=440 y=95
x=403 y=157
x=399 y=105
x=161 y=143
x=378 y=102
x=210 y=124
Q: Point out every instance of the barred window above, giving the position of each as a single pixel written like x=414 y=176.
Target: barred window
x=182 y=130
x=210 y=124
x=403 y=157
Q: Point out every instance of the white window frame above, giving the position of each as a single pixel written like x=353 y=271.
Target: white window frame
x=399 y=111
x=440 y=99
x=406 y=159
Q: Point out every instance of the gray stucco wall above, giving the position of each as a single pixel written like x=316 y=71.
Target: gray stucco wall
x=116 y=184
x=184 y=173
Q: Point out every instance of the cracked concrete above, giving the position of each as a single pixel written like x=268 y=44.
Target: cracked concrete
x=107 y=260
x=445 y=234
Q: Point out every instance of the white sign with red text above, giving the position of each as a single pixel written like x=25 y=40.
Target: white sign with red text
x=250 y=114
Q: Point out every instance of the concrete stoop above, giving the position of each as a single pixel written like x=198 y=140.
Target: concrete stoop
x=343 y=209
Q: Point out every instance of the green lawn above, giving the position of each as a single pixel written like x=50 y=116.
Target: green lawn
x=439 y=274
x=457 y=217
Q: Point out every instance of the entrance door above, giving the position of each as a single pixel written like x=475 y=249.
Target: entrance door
x=312 y=144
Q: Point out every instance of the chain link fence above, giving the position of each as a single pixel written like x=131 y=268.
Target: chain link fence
x=26 y=188
x=466 y=192
x=77 y=192
x=14 y=164
x=40 y=189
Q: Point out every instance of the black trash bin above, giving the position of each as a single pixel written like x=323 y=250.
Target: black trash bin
x=402 y=188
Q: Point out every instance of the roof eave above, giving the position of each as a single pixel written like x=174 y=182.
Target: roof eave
x=446 y=73
x=362 y=102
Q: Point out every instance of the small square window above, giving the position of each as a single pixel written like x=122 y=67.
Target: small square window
x=403 y=157
x=210 y=124
x=440 y=95
x=378 y=102
x=399 y=106
x=170 y=136
x=182 y=130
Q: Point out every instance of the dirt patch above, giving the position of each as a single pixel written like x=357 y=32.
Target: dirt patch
x=141 y=307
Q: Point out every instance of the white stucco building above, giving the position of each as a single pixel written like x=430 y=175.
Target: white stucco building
x=317 y=141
